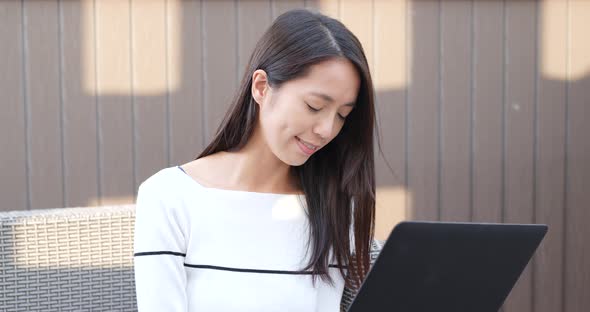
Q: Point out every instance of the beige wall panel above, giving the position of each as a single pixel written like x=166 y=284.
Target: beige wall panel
x=312 y=4
x=43 y=103
x=455 y=110
x=487 y=111
x=254 y=17
x=185 y=45
x=550 y=155
x=390 y=81
x=113 y=63
x=149 y=79
x=327 y=7
x=423 y=122
x=220 y=61
x=79 y=106
x=358 y=17
x=279 y=7
x=577 y=210
x=13 y=181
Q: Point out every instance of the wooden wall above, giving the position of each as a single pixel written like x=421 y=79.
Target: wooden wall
x=482 y=106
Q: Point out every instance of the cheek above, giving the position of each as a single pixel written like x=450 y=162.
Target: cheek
x=286 y=121
x=277 y=127
x=297 y=126
x=290 y=121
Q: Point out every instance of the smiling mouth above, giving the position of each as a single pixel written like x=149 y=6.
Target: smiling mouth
x=306 y=147
x=310 y=146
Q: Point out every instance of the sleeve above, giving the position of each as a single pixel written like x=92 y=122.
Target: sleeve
x=159 y=253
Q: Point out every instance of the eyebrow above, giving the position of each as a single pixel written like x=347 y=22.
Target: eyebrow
x=329 y=98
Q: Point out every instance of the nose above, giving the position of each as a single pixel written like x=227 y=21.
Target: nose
x=325 y=126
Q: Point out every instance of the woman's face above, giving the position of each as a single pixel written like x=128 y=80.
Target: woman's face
x=305 y=114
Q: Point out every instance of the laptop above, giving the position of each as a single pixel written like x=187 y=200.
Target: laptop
x=447 y=267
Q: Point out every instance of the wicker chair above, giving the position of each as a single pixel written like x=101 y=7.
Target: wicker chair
x=74 y=259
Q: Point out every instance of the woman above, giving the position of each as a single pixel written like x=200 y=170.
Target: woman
x=267 y=217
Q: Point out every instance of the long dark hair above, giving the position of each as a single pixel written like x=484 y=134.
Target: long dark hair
x=338 y=180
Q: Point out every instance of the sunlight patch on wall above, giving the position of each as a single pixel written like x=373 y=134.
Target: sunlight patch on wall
x=391 y=209
x=385 y=39
x=556 y=42
x=392 y=53
x=111 y=201
x=127 y=48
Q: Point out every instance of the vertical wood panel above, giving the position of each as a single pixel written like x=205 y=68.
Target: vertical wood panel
x=327 y=7
x=44 y=103
x=550 y=154
x=423 y=125
x=455 y=110
x=358 y=17
x=220 y=63
x=185 y=45
x=148 y=57
x=577 y=278
x=279 y=7
x=80 y=137
x=116 y=174
x=487 y=111
x=13 y=181
x=254 y=17
x=519 y=130
x=389 y=78
x=312 y=5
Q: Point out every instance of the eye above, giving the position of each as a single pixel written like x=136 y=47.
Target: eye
x=311 y=108
x=315 y=110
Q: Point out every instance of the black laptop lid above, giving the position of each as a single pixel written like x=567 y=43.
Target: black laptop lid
x=448 y=267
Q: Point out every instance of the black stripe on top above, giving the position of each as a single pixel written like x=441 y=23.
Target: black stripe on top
x=202 y=266
x=151 y=253
x=213 y=267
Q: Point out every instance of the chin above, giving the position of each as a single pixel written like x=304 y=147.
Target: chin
x=294 y=163
x=301 y=163
x=291 y=160
x=290 y=156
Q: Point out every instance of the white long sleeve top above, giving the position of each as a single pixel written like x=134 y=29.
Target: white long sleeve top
x=199 y=248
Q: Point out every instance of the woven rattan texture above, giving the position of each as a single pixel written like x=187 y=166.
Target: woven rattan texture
x=349 y=293
x=72 y=259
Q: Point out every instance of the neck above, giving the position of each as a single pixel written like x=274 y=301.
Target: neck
x=256 y=168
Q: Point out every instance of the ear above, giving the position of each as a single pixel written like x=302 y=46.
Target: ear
x=260 y=87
